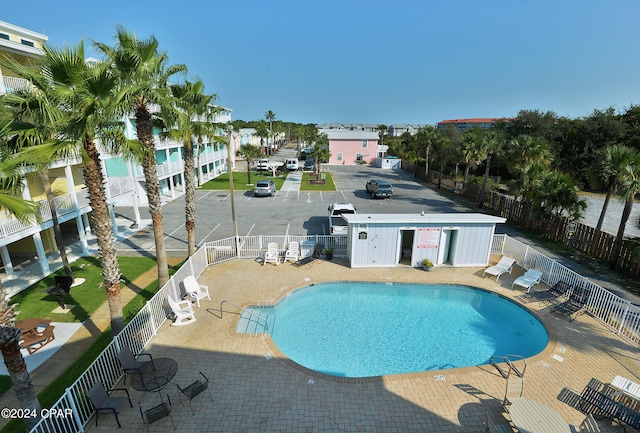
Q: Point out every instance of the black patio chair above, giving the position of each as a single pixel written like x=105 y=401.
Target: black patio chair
x=196 y=388
x=308 y=261
x=156 y=413
x=102 y=401
x=129 y=362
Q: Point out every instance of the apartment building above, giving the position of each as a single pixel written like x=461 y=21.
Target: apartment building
x=464 y=124
x=24 y=246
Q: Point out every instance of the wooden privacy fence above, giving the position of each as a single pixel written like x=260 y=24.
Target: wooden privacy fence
x=583 y=238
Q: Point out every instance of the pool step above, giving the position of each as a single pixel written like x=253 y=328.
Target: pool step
x=250 y=323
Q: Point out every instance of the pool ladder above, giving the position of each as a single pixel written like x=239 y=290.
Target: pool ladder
x=511 y=367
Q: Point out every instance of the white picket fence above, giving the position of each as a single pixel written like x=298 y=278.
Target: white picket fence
x=613 y=311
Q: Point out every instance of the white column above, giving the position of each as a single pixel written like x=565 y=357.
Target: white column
x=6 y=260
x=42 y=256
x=83 y=237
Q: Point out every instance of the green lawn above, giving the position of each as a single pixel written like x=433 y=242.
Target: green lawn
x=328 y=186
x=88 y=267
x=241 y=181
x=87 y=297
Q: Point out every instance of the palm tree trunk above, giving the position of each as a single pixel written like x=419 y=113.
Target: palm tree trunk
x=249 y=171
x=144 y=130
x=189 y=197
x=57 y=233
x=16 y=366
x=617 y=244
x=426 y=161
x=485 y=181
x=605 y=205
x=101 y=224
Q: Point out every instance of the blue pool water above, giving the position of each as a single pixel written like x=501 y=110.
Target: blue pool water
x=372 y=329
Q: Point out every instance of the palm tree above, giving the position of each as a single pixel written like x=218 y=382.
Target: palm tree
x=262 y=132
x=34 y=123
x=610 y=162
x=382 y=131
x=629 y=178
x=270 y=116
x=24 y=211
x=426 y=135
x=471 y=150
x=144 y=74
x=491 y=144
x=249 y=152
x=84 y=92
x=192 y=119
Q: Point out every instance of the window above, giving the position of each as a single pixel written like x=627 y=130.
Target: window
x=364 y=143
x=27 y=43
x=339 y=156
x=5 y=36
x=358 y=157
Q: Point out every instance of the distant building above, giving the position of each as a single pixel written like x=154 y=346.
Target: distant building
x=352 y=147
x=365 y=127
x=464 y=124
x=397 y=129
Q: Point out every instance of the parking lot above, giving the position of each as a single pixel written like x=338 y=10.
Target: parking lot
x=288 y=212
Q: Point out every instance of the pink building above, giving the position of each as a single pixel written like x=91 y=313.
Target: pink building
x=352 y=147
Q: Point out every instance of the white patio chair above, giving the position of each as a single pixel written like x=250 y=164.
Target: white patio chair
x=183 y=311
x=293 y=253
x=528 y=280
x=195 y=290
x=272 y=254
x=505 y=265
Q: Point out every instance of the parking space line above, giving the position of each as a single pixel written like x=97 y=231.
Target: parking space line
x=206 y=195
x=208 y=234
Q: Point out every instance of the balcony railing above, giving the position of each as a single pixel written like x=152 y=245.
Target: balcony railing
x=13 y=84
x=611 y=310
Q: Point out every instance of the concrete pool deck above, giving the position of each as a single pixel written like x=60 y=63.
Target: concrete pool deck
x=256 y=389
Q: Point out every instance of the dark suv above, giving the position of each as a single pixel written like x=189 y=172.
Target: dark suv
x=379 y=188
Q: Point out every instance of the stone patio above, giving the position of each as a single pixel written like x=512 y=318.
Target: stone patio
x=256 y=389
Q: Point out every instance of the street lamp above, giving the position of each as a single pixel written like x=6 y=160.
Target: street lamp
x=230 y=171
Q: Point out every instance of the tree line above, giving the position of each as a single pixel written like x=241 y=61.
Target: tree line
x=542 y=160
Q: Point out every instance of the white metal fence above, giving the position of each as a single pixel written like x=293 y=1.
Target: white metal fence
x=615 y=312
x=618 y=314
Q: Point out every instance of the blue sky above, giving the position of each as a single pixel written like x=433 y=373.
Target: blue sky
x=374 y=61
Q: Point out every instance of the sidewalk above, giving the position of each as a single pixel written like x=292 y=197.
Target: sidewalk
x=80 y=342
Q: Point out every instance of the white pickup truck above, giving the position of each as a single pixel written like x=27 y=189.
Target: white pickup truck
x=337 y=224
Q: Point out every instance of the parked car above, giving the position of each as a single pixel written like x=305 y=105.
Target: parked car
x=262 y=164
x=292 y=164
x=308 y=165
x=337 y=224
x=379 y=188
x=264 y=187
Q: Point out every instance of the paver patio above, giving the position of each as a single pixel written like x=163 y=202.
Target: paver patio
x=256 y=389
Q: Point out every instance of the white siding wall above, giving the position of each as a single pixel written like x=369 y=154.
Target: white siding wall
x=380 y=248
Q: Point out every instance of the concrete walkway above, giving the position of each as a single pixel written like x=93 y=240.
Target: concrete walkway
x=80 y=342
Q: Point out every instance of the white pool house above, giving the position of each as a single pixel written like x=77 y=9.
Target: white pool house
x=455 y=239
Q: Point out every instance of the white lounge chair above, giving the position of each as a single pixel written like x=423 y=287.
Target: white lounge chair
x=183 y=311
x=293 y=253
x=505 y=265
x=272 y=254
x=528 y=280
x=195 y=290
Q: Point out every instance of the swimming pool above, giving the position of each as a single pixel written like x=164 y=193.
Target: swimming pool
x=374 y=329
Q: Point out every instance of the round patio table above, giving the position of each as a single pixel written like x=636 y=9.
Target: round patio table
x=155 y=374
x=531 y=416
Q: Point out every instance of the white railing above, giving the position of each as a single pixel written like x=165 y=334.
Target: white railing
x=106 y=368
x=64 y=204
x=13 y=84
x=612 y=310
x=615 y=312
